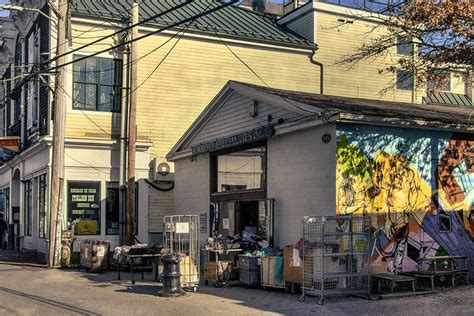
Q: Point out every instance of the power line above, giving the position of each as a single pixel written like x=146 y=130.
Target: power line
x=148 y=34
x=190 y=19
x=260 y=78
x=120 y=31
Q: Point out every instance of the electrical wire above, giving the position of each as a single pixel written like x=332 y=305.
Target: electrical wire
x=260 y=78
x=120 y=32
x=193 y=18
x=170 y=26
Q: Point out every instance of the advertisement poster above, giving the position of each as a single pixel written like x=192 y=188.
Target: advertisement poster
x=84 y=204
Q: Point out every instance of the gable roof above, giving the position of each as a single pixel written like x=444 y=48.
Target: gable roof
x=329 y=108
x=231 y=21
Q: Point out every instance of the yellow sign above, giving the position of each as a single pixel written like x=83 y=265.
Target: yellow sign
x=87 y=227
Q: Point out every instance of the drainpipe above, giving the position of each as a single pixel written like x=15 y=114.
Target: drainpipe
x=321 y=67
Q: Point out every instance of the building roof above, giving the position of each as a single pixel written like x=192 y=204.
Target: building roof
x=387 y=109
x=231 y=21
x=331 y=109
x=448 y=98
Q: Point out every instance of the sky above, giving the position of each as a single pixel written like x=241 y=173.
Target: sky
x=4 y=12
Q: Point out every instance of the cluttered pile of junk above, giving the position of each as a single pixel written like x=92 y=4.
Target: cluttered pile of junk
x=180 y=249
x=331 y=258
x=250 y=260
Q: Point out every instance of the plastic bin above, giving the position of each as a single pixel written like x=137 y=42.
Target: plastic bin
x=249 y=270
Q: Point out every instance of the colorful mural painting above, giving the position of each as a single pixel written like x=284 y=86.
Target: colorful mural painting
x=418 y=187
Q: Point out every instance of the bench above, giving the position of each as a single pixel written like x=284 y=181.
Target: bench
x=391 y=280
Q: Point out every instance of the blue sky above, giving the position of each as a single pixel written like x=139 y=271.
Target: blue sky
x=4 y=12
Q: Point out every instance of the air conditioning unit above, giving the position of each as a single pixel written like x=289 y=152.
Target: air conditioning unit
x=160 y=171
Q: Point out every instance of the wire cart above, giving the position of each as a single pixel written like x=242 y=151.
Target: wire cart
x=335 y=256
x=182 y=237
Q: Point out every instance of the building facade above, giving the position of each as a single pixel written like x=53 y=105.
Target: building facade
x=180 y=70
x=408 y=166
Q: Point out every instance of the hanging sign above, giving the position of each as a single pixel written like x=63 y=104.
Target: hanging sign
x=182 y=228
x=203 y=223
x=8 y=147
x=247 y=137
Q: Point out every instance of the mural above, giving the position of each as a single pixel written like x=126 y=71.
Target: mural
x=418 y=187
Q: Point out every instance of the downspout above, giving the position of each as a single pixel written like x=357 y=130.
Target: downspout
x=321 y=67
x=123 y=144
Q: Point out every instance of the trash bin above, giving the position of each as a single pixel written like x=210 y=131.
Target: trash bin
x=95 y=255
x=171 y=276
x=249 y=270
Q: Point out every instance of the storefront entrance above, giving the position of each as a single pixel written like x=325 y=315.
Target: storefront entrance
x=245 y=217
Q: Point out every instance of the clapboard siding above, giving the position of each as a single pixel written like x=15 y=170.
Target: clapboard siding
x=233 y=118
x=161 y=203
x=177 y=92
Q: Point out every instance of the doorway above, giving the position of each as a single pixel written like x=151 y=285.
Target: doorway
x=253 y=216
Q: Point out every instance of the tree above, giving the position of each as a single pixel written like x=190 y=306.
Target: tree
x=437 y=33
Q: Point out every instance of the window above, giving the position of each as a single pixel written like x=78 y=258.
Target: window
x=112 y=215
x=2 y=202
x=97 y=84
x=7 y=204
x=42 y=207
x=240 y=170
x=404 y=46
x=444 y=221
x=404 y=80
x=28 y=201
x=32 y=101
x=441 y=80
x=84 y=205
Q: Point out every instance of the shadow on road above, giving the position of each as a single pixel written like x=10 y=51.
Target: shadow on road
x=49 y=302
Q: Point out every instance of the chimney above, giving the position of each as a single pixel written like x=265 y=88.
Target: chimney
x=264 y=6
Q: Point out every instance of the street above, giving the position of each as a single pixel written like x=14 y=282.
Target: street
x=26 y=290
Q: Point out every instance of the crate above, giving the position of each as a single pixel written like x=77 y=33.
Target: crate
x=291 y=273
x=249 y=270
x=210 y=269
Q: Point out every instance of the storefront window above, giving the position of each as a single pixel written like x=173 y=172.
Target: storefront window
x=84 y=204
x=28 y=201
x=42 y=206
x=241 y=170
x=112 y=215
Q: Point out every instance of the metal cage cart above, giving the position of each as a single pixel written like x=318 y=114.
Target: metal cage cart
x=182 y=237
x=336 y=256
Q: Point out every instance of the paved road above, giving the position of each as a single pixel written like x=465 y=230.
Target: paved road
x=38 y=291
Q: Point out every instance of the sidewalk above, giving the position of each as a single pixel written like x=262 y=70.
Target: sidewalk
x=14 y=257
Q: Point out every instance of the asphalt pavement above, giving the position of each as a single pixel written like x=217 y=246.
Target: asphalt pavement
x=30 y=290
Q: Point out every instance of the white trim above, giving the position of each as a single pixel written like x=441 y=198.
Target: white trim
x=333 y=9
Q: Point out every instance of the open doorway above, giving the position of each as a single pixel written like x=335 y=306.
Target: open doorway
x=246 y=217
x=252 y=216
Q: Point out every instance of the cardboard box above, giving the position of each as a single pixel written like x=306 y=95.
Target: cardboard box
x=291 y=273
x=210 y=269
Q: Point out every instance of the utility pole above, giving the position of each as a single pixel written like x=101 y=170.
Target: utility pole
x=132 y=132
x=58 y=135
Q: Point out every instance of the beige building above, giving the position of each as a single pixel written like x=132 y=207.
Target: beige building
x=180 y=70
